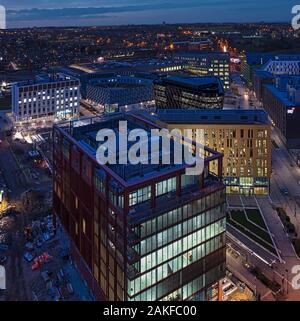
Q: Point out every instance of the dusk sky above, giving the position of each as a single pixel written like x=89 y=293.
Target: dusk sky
x=29 y=13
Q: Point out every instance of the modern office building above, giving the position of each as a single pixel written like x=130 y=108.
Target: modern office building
x=275 y=64
x=139 y=232
x=282 y=101
x=140 y=68
x=189 y=92
x=206 y=64
x=48 y=97
x=251 y=62
x=261 y=78
x=115 y=91
x=243 y=136
x=198 y=44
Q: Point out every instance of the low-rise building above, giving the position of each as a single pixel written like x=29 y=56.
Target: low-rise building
x=197 y=44
x=189 y=92
x=47 y=97
x=261 y=78
x=207 y=64
x=282 y=64
x=243 y=136
x=282 y=101
x=115 y=91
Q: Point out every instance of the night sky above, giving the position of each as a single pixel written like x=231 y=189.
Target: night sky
x=29 y=13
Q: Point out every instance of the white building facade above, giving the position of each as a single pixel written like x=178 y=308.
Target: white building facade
x=47 y=97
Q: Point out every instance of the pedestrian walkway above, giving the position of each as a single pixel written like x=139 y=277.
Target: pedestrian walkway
x=242 y=272
x=276 y=228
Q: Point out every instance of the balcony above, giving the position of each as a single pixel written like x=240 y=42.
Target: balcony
x=143 y=212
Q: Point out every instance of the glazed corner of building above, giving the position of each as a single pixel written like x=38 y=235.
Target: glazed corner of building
x=93 y=212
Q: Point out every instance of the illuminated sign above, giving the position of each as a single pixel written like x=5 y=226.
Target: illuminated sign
x=291 y=111
x=235 y=60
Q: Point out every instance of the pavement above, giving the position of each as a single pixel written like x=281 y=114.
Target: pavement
x=285 y=174
x=278 y=269
x=241 y=272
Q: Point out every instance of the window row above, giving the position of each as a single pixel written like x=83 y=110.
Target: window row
x=177 y=215
x=156 y=275
x=168 y=252
x=169 y=235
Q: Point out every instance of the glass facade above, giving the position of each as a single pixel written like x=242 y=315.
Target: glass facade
x=140 y=195
x=159 y=237
x=191 y=290
x=166 y=186
x=175 y=240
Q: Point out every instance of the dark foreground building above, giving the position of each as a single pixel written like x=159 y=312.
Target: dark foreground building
x=189 y=92
x=139 y=232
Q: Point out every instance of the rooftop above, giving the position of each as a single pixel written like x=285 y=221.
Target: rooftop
x=263 y=74
x=46 y=79
x=261 y=58
x=207 y=54
x=83 y=133
x=119 y=82
x=254 y=58
x=150 y=65
x=281 y=95
x=212 y=116
x=199 y=83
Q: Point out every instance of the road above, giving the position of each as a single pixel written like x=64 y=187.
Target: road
x=240 y=271
x=10 y=168
x=285 y=174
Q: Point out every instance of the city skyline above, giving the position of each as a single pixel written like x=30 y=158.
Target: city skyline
x=149 y=151
x=22 y=14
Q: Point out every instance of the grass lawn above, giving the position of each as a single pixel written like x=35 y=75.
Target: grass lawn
x=255 y=217
x=238 y=219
